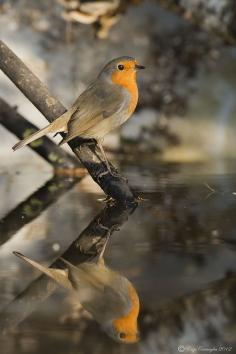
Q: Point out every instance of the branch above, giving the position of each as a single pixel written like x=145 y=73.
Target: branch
x=114 y=186
x=18 y=125
x=90 y=241
x=34 y=205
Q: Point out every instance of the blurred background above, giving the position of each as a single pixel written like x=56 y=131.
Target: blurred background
x=178 y=152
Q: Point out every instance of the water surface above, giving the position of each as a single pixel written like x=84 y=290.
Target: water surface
x=177 y=248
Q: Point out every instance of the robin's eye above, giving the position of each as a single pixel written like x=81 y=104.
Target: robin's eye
x=122 y=335
x=121 y=67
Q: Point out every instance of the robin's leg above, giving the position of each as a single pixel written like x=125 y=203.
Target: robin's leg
x=104 y=155
x=99 y=142
x=56 y=134
x=101 y=254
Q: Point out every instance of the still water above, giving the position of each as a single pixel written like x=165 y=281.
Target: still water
x=177 y=249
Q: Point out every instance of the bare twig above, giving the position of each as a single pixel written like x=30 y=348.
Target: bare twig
x=212 y=190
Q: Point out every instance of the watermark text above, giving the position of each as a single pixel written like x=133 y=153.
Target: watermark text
x=204 y=349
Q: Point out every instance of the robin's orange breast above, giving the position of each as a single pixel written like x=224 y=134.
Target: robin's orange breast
x=128 y=323
x=127 y=80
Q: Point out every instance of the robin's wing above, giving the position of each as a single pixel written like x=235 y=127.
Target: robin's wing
x=107 y=301
x=101 y=291
x=114 y=302
x=100 y=101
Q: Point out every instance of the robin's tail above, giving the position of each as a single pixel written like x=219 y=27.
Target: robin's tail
x=58 y=125
x=59 y=275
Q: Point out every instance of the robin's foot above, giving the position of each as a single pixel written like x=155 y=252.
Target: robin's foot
x=117 y=175
x=107 y=200
x=141 y=199
x=112 y=173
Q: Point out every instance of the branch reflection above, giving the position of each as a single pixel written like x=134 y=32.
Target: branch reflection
x=89 y=244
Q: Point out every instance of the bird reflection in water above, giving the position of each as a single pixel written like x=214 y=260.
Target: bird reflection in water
x=107 y=295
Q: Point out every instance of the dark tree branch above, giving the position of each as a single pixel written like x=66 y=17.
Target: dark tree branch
x=87 y=152
x=89 y=241
x=33 y=206
x=18 y=125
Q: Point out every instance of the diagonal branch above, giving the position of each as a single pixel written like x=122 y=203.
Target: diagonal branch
x=86 y=246
x=18 y=125
x=34 y=205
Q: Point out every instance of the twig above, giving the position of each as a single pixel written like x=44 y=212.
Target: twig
x=209 y=187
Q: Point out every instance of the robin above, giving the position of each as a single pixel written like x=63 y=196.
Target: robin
x=107 y=295
x=106 y=104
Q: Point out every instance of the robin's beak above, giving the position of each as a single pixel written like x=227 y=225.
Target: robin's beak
x=139 y=67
